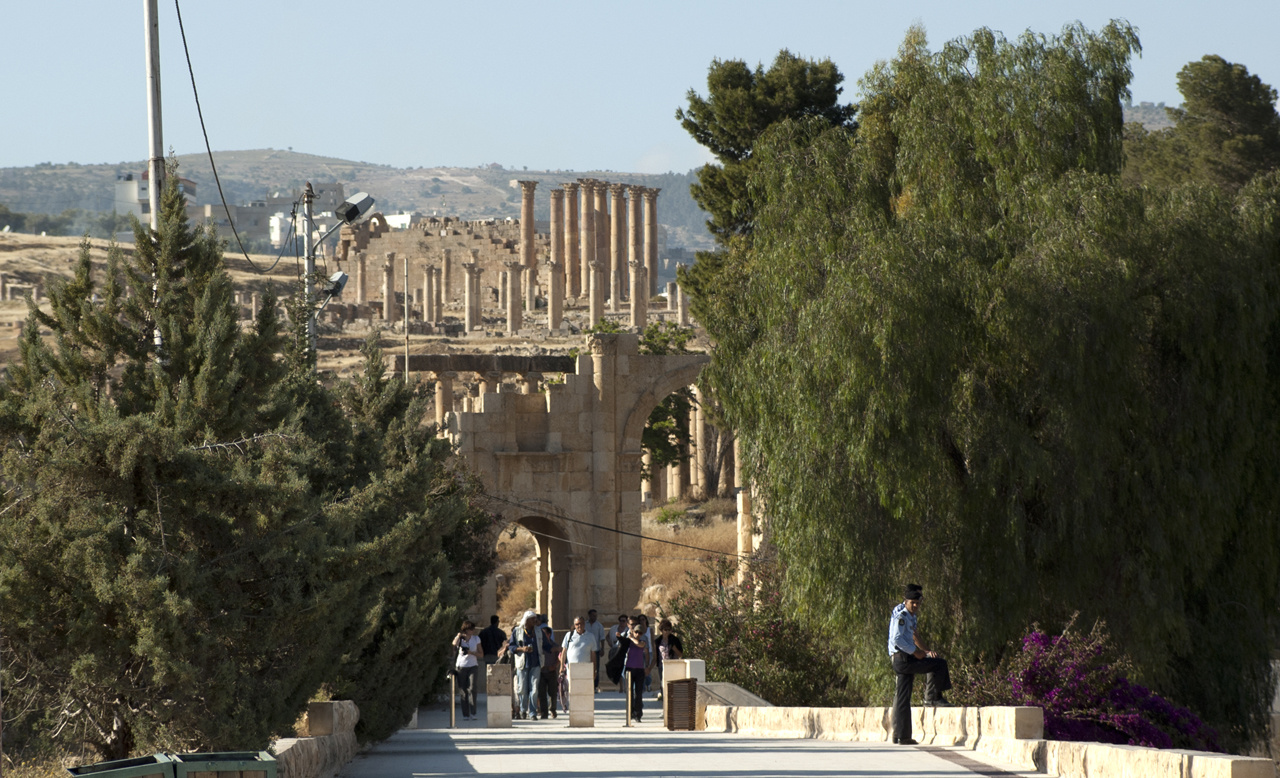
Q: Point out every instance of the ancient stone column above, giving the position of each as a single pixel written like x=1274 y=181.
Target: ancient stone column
x=361 y=258
x=515 y=319
x=651 y=237
x=390 y=311
x=572 y=268
x=444 y=396
x=587 y=236
x=635 y=240
x=528 y=254
x=255 y=304
x=447 y=264
x=701 y=490
x=646 y=485
x=745 y=522
x=604 y=241
x=694 y=489
x=428 y=294
x=682 y=304
x=595 y=280
x=672 y=291
x=502 y=289
x=490 y=382
x=557 y=226
x=618 y=251
x=439 y=306
x=471 y=292
x=555 y=297
x=639 y=295
x=529 y=383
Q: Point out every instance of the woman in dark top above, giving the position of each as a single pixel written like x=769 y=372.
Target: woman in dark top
x=669 y=646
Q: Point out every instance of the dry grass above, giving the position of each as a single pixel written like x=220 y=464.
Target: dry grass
x=519 y=586
x=666 y=566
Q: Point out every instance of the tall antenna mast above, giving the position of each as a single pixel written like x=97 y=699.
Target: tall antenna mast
x=155 y=165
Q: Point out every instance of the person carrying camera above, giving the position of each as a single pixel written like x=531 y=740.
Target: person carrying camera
x=466 y=665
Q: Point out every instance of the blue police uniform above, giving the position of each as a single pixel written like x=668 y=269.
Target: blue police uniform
x=902 y=646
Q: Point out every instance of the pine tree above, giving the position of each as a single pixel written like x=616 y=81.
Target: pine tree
x=196 y=537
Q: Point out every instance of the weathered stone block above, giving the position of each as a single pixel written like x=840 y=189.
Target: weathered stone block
x=580 y=671
x=499 y=710
x=334 y=717
x=498 y=681
x=581 y=717
x=1018 y=723
x=1066 y=759
x=1026 y=754
x=1204 y=765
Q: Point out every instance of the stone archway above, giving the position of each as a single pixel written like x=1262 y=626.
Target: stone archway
x=569 y=460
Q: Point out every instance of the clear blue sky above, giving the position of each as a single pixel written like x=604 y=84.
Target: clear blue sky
x=557 y=85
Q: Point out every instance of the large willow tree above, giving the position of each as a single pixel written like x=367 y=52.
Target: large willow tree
x=961 y=353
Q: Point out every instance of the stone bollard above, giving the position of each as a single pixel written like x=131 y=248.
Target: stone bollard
x=498 y=701
x=582 y=698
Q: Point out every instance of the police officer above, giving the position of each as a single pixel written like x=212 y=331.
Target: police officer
x=910 y=658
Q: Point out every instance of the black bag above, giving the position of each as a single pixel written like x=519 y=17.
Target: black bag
x=613 y=668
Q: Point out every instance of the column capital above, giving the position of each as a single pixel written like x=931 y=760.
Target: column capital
x=557 y=194
x=596 y=264
x=472 y=268
x=514 y=264
x=619 y=190
x=650 y=193
x=447 y=374
x=528 y=186
x=571 y=187
x=636 y=264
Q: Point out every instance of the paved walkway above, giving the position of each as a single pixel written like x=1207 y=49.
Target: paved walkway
x=543 y=749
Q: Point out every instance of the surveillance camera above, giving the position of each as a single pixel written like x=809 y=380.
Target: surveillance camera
x=355 y=207
x=336 y=283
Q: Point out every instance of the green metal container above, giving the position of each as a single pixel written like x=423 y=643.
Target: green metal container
x=224 y=764
x=154 y=766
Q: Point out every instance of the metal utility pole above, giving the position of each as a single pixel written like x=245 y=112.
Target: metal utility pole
x=309 y=250
x=408 y=297
x=155 y=165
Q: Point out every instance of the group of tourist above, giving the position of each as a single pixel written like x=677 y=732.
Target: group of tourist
x=541 y=664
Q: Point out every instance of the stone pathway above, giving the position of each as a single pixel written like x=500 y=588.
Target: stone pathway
x=543 y=749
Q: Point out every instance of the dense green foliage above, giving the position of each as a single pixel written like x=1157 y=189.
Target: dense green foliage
x=741 y=104
x=1226 y=132
x=196 y=537
x=961 y=352
x=749 y=635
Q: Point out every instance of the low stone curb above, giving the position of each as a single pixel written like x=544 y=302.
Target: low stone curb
x=1011 y=735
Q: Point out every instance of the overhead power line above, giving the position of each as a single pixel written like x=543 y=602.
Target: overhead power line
x=209 y=149
x=562 y=517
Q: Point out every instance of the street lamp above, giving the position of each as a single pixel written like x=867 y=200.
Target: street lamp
x=350 y=212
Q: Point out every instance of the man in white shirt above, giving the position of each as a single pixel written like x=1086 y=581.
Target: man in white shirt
x=579 y=646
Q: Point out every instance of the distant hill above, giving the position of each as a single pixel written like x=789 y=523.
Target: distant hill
x=249 y=175
x=1149 y=115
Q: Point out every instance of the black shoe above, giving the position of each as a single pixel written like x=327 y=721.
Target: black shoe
x=543 y=716
x=906 y=742
x=941 y=702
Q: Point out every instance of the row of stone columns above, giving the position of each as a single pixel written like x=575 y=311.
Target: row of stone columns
x=599 y=225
